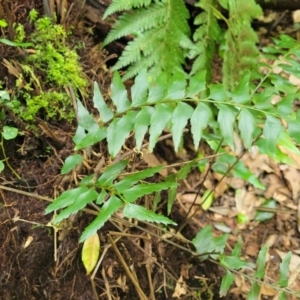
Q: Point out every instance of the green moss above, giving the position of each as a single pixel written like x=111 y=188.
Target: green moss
x=52 y=103
x=58 y=67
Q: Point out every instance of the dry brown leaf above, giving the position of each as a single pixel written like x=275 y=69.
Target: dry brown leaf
x=292 y=175
x=184 y=270
x=153 y=161
x=190 y=198
x=271 y=239
x=296 y=16
x=180 y=288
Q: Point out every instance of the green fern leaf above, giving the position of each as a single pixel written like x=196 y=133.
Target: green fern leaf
x=199 y=120
x=141 y=124
x=159 y=120
x=132 y=179
x=226 y=118
x=78 y=203
x=119 y=94
x=180 y=117
x=107 y=210
x=272 y=130
x=105 y=112
x=161 y=28
x=138 y=21
x=119 y=5
x=139 y=89
x=247 y=125
x=140 y=213
x=118 y=131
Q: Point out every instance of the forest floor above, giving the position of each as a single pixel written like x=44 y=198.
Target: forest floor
x=38 y=261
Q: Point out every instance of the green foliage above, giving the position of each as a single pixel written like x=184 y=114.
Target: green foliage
x=169 y=103
x=6 y=133
x=59 y=66
x=209 y=246
x=160 y=28
x=115 y=196
x=162 y=37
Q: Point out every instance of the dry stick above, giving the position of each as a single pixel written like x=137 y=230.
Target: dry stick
x=128 y=272
x=106 y=283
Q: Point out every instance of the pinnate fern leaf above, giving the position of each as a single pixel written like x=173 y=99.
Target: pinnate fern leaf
x=160 y=30
x=120 y=5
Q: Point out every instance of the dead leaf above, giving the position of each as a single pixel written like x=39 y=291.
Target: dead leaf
x=153 y=161
x=180 y=288
x=90 y=253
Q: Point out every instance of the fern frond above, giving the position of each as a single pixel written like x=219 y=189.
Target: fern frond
x=241 y=52
x=120 y=5
x=137 y=21
x=206 y=36
x=162 y=34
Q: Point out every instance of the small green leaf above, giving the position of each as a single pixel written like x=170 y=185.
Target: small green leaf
x=119 y=93
x=118 y=131
x=241 y=94
x=109 y=207
x=91 y=138
x=265 y=215
x=283 y=296
x=206 y=243
x=132 y=179
x=140 y=213
x=183 y=172
x=180 y=117
x=80 y=134
x=4 y=95
x=86 y=121
x=159 y=120
x=272 y=130
x=199 y=121
x=105 y=112
x=90 y=253
x=285 y=106
x=207 y=199
x=176 y=87
x=237 y=248
x=9 y=132
x=218 y=92
x=158 y=88
x=247 y=124
x=78 y=204
x=111 y=173
x=254 y=292
x=15 y=44
x=234 y=262
x=1 y=166
x=139 y=89
x=65 y=199
x=226 y=283
x=144 y=189
x=226 y=119
x=172 y=193
x=284 y=270
x=241 y=171
x=142 y=121
x=242 y=218
x=71 y=162
x=3 y=23
x=101 y=197
x=261 y=262
x=197 y=84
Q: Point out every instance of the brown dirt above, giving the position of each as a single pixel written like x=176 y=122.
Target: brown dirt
x=36 y=262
